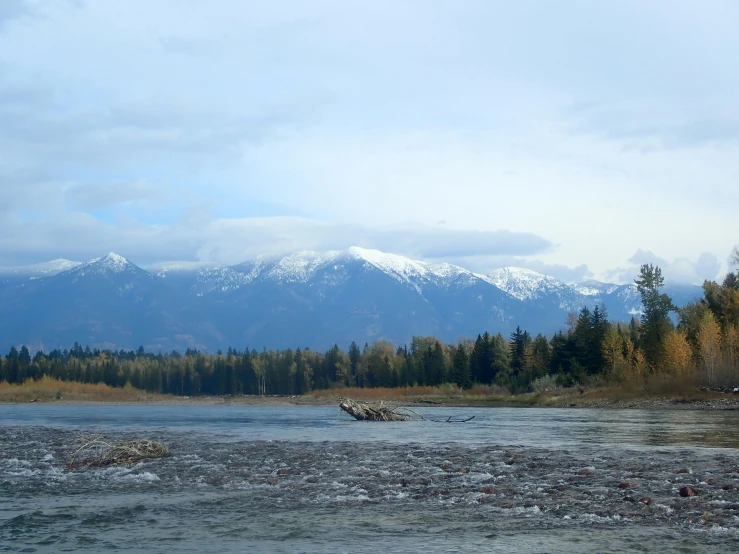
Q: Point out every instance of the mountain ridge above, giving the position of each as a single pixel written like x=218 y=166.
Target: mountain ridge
x=305 y=298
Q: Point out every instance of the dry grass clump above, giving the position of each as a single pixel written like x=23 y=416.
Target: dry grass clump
x=95 y=451
x=49 y=389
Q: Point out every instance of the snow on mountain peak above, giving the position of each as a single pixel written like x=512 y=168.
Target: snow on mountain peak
x=594 y=288
x=524 y=284
x=112 y=262
x=302 y=266
x=298 y=267
x=181 y=266
x=60 y=264
x=392 y=264
x=44 y=269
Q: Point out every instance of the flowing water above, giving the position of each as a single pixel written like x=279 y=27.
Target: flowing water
x=311 y=479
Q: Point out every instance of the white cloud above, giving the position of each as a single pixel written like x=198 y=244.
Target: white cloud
x=603 y=128
x=95 y=196
x=485 y=264
x=678 y=270
x=194 y=236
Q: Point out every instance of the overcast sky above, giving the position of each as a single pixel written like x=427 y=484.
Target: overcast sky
x=577 y=138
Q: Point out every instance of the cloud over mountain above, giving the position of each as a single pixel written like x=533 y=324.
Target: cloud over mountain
x=538 y=132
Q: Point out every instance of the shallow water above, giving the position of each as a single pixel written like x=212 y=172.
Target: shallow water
x=310 y=479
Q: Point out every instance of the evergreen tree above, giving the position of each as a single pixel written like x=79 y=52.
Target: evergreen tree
x=731 y=281
x=477 y=366
x=461 y=374
x=582 y=336
x=598 y=328
x=657 y=307
x=519 y=342
x=354 y=356
x=541 y=356
x=500 y=360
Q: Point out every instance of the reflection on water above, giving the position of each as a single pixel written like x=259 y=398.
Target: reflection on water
x=311 y=479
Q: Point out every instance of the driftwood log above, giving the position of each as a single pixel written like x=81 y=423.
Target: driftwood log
x=370 y=412
x=380 y=412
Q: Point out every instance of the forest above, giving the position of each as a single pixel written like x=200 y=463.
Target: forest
x=700 y=339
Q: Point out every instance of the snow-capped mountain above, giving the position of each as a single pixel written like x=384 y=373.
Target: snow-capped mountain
x=594 y=288
x=303 y=299
x=526 y=284
x=111 y=264
x=305 y=267
x=16 y=275
x=302 y=267
x=108 y=302
x=43 y=269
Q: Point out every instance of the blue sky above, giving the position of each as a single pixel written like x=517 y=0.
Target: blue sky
x=575 y=138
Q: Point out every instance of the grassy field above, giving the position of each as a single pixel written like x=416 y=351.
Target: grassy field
x=48 y=389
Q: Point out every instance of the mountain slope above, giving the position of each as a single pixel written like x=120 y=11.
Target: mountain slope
x=15 y=275
x=105 y=302
x=304 y=299
x=359 y=294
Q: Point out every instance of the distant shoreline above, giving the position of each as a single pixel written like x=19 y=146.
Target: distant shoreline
x=49 y=391
x=726 y=402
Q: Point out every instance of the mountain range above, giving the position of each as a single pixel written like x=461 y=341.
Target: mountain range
x=305 y=299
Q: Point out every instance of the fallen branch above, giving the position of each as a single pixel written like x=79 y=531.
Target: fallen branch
x=95 y=451
x=450 y=420
x=369 y=412
x=379 y=412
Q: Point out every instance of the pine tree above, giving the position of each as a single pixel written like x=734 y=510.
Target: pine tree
x=657 y=307
x=476 y=361
x=354 y=357
x=519 y=342
x=461 y=370
x=583 y=339
x=541 y=356
x=434 y=364
x=598 y=327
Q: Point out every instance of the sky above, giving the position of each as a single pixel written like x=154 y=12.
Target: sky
x=576 y=138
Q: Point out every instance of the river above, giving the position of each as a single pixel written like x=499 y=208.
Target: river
x=311 y=479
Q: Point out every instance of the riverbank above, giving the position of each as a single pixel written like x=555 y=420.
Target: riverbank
x=49 y=390
x=613 y=397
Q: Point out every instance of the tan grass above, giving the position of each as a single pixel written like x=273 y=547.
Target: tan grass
x=683 y=387
x=446 y=394
x=48 y=389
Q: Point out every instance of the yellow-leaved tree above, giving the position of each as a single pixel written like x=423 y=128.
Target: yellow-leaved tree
x=639 y=365
x=708 y=339
x=617 y=352
x=612 y=347
x=731 y=349
x=678 y=353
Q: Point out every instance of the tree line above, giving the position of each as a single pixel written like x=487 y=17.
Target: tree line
x=703 y=339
